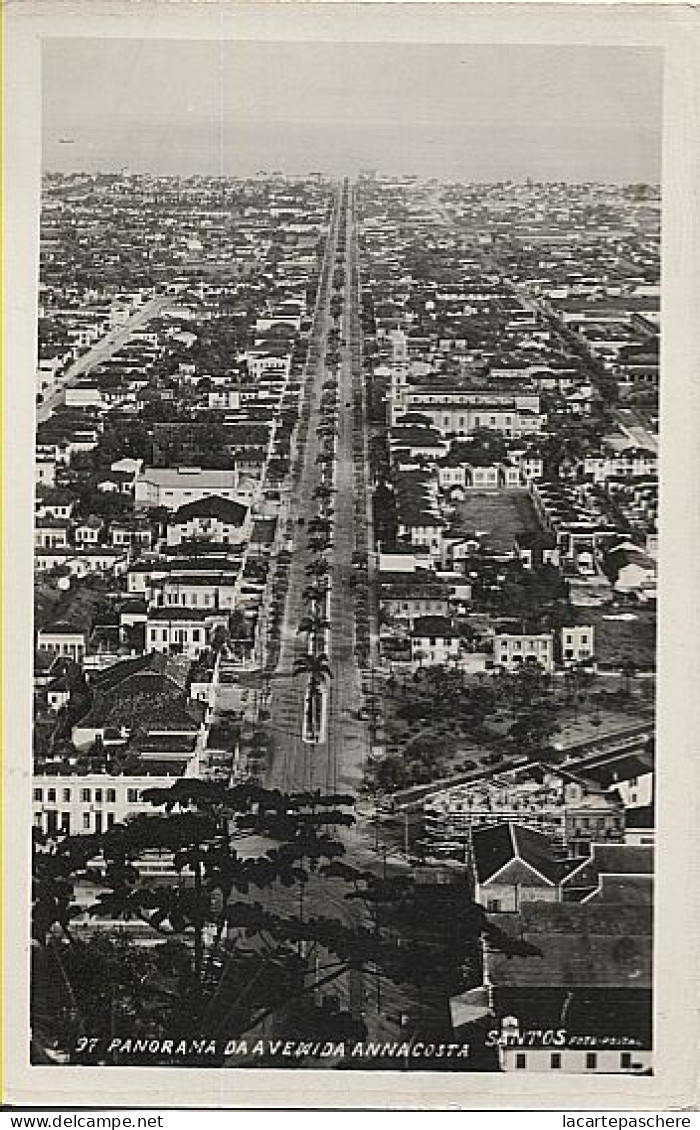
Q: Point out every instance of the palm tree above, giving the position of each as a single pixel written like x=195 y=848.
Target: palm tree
x=317 y=667
x=318 y=568
x=319 y=525
x=313 y=624
x=319 y=544
x=315 y=592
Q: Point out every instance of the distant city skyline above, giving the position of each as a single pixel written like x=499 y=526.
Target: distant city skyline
x=462 y=111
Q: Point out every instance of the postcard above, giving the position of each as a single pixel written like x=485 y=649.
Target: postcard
x=351 y=630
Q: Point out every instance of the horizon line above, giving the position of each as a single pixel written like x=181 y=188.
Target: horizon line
x=124 y=171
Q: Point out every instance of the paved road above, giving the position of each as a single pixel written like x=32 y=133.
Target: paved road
x=347 y=734
x=295 y=764
x=336 y=761
x=100 y=353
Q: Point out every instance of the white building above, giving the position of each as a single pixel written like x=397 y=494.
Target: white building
x=90 y=804
x=63 y=640
x=173 y=487
x=227 y=397
x=577 y=643
x=196 y=591
x=516 y=649
x=182 y=631
x=433 y=641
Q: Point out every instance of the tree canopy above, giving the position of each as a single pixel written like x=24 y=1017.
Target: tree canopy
x=238 y=935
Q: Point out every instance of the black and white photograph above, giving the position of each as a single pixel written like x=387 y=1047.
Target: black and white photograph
x=347 y=403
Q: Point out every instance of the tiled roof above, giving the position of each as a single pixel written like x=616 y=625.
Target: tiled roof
x=496 y=846
x=438 y=626
x=146 y=701
x=640 y=819
x=207 y=478
x=174 y=667
x=583 y=945
x=168 y=615
x=225 y=509
x=612 y=859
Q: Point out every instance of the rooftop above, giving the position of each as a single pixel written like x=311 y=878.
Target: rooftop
x=494 y=847
x=583 y=945
x=226 y=510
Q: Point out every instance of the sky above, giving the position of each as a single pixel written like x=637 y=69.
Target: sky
x=463 y=111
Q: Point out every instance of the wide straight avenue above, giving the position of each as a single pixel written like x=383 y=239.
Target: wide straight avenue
x=333 y=757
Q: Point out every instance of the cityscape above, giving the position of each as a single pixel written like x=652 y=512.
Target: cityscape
x=345 y=576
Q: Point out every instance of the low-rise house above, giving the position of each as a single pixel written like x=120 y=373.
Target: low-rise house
x=577 y=644
x=405 y=560
x=133 y=611
x=508 y=475
x=143 y=574
x=479 y=476
x=51 y=533
x=269 y=357
x=195 y=590
x=535 y=548
x=115 y=482
x=182 y=631
x=52 y=502
x=419 y=519
x=88 y=533
x=81 y=561
x=63 y=639
x=228 y=397
x=84 y=393
x=406 y=597
x=135 y=532
x=434 y=641
x=517 y=649
x=513 y=864
x=58 y=693
x=529 y=462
